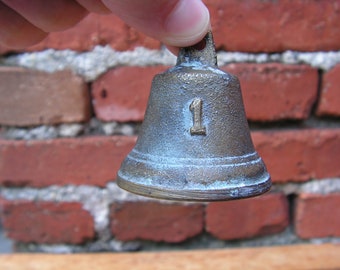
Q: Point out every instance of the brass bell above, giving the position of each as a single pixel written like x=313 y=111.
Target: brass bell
x=194 y=143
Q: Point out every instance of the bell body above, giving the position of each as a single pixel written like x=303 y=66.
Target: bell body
x=194 y=143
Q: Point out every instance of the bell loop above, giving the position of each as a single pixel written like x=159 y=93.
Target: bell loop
x=202 y=53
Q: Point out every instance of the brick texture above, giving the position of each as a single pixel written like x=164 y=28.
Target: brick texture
x=121 y=94
x=292 y=155
x=95 y=30
x=267 y=214
x=317 y=215
x=156 y=221
x=300 y=155
x=329 y=103
x=271 y=26
x=47 y=222
x=249 y=25
x=276 y=91
x=271 y=91
x=32 y=97
x=90 y=161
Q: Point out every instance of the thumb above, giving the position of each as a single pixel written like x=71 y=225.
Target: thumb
x=177 y=23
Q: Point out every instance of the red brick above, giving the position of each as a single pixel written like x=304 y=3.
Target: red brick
x=95 y=30
x=247 y=218
x=156 y=221
x=90 y=161
x=329 y=103
x=121 y=94
x=271 y=91
x=271 y=26
x=317 y=215
x=32 y=97
x=47 y=222
x=249 y=25
x=291 y=155
x=276 y=91
x=300 y=155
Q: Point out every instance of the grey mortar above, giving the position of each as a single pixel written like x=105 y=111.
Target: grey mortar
x=93 y=63
x=93 y=127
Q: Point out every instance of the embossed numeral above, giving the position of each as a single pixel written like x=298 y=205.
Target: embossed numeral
x=196 y=110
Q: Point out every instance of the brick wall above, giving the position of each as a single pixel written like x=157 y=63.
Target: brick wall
x=71 y=106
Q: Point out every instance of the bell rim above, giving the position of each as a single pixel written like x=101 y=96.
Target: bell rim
x=221 y=194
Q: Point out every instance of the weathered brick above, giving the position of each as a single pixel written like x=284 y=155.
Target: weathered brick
x=300 y=155
x=121 y=94
x=31 y=97
x=90 y=161
x=329 y=103
x=276 y=91
x=291 y=155
x=249 y=25
x=156 y=221
x=95 y=30
x=271 y=91
x=317 y=215
x=247 y=218
x=272 y=26
x=47 y=222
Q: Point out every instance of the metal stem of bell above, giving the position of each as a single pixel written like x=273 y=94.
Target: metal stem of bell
x=194 y=143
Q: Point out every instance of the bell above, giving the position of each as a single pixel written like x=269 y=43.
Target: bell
x=194 y=143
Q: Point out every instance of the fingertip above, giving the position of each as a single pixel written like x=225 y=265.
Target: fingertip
x=16 y=32
x=94 y=6
x=187 y=24
x=56 y=15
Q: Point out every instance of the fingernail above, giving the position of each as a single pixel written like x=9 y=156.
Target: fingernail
x=187 y=24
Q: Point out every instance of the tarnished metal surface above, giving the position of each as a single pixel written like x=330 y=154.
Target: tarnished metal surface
x=195 y=143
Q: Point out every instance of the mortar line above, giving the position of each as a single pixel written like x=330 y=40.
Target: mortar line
x=92 y=64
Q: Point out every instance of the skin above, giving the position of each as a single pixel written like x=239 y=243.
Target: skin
x=177 y=23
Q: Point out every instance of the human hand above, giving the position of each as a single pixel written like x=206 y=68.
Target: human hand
x=177 y=23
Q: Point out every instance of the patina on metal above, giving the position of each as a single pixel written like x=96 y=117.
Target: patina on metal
x=194 y=143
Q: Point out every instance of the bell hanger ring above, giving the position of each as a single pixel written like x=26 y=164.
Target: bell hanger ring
x=194 y=143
